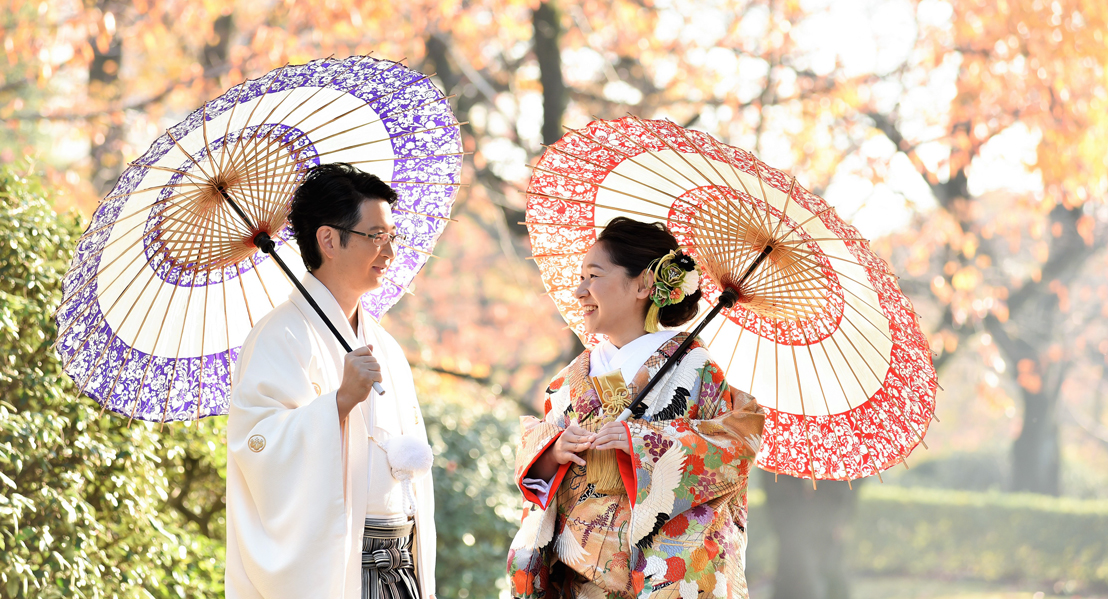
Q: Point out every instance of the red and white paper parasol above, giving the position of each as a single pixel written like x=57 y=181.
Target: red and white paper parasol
x=821 y=334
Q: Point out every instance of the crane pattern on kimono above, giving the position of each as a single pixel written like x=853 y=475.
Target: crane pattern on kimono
x=677 y=407
x=590 y=493
x=689 y=493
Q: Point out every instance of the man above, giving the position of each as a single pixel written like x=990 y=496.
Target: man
x=310 y=494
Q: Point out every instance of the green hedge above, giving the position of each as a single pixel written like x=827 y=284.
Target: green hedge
x=987 y=536
x=477 y=506
x=86 y=502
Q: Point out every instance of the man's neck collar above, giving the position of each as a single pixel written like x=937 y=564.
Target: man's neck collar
x=327 y=302
x=347 y=301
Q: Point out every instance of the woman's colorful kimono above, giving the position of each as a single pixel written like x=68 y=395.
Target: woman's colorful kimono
x=680 y=528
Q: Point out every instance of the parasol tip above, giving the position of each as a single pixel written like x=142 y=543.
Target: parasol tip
x=729 y=297
x=263 y=241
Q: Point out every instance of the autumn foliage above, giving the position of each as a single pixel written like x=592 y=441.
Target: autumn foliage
x=969 y=136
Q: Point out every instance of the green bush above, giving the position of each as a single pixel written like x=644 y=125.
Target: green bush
x=990 y=536
x=83 y=497
x=477 y=506
x=986 y=536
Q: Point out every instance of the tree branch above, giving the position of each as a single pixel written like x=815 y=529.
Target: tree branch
x=177 y=502
x=209 y=73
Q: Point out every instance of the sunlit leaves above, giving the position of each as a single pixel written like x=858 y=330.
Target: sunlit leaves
x=82 y=497
x=1041 y=63
x=474 y=435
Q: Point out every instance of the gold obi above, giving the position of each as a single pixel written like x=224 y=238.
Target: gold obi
x=601 y=467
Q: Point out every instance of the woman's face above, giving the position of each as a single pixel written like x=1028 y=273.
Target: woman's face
x=614 y=303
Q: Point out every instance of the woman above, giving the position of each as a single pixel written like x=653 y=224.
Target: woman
x=673 y=522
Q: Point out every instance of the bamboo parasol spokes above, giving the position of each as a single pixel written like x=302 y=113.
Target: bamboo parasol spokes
x=179 y=261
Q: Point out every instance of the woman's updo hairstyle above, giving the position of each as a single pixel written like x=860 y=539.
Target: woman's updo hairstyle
x=633 y=245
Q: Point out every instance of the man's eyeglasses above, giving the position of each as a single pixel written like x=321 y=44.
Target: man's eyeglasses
x=378 y=239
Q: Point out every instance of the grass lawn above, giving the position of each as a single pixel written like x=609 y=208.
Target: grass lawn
x=929 y=588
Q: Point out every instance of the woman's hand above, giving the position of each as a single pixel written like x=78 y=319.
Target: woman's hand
x=611 y=436
x=572 y=441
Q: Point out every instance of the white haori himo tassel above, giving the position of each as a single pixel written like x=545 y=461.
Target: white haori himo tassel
x=410 y=458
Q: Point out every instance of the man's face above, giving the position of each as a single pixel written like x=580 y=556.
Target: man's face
x=362 y=263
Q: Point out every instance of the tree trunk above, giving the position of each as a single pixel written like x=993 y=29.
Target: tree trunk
x=548 y=29
x=1037 y=322
x=438 y=59
x=216 y=52
x=546 y=21
x=809 y=525
x=106 y=130
x=1034 y=324
x=1036 y=455
x=1036 y=452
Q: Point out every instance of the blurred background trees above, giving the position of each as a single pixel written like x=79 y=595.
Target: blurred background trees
x=968 y=139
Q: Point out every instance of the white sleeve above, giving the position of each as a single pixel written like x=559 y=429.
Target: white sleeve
x=286 y=518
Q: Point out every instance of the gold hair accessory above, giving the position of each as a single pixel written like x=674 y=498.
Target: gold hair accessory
x=676 y=277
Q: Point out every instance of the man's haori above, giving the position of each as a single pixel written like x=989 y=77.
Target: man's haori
x=298 y=482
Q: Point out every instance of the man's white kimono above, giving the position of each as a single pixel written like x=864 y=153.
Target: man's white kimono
x=297 y=482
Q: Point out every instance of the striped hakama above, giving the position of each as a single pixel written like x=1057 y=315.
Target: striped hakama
x=388 y=571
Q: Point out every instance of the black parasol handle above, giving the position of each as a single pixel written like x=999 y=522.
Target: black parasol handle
x=265 y=243
x=726 y=300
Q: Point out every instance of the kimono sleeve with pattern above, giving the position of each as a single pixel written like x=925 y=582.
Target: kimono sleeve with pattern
x=692 y=459
x=537 y=436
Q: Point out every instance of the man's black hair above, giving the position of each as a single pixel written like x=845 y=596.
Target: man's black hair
x=332 y=195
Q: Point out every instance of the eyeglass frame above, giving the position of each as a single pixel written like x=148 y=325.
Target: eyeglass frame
x=373 y=237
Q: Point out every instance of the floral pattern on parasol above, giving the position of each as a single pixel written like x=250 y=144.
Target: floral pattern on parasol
x=166 y=281
x=821 y=335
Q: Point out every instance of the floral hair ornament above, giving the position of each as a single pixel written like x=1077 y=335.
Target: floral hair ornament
x=676 y=277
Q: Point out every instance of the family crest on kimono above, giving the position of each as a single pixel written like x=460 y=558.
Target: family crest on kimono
x=654 y=506
x=318 y=503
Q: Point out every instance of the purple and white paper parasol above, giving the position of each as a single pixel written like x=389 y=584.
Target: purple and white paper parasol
x=166 y=281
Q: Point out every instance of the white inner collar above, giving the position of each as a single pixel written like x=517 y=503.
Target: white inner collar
x=606 y=357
